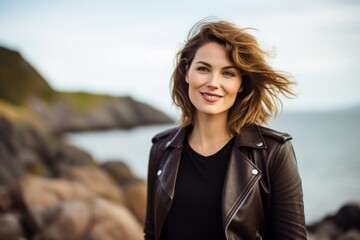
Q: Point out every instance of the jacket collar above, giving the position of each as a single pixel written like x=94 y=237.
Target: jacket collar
x=249 y=136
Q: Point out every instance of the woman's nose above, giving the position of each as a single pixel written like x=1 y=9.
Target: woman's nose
x=214 y=80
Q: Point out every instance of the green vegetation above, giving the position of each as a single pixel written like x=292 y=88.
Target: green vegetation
x=82 y=101
x=19 y=81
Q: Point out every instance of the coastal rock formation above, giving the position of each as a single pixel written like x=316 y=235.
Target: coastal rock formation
x=22 y=85
x=51 y=190
x=344 y=225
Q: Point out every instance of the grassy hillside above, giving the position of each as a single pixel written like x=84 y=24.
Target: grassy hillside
x=19 y=81
x=83 y=101
x=68 y=111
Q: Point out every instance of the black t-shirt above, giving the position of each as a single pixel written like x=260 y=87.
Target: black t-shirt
x=196 y=211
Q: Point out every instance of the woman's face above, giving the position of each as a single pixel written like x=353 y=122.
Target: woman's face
x=213 y=79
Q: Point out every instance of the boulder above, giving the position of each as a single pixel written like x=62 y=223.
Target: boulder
x=351 y=235
x=113 y=222
x=64 y=157
x=134 y=190
x=10 y=227
x=97 y=181
x=135 y=199
x=345 y=224
x=6 y=202
x=67 y=220
x=120 y=172
x=22 y=148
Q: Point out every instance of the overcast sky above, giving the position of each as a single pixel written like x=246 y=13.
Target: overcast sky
x=128 y=48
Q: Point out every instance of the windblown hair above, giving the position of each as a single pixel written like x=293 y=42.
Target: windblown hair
x=261 y=84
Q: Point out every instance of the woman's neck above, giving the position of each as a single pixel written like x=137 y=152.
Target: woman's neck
x=209 y=134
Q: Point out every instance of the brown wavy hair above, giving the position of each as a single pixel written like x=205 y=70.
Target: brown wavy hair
x=259 y=99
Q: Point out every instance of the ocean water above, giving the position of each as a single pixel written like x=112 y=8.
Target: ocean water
x=327 y=146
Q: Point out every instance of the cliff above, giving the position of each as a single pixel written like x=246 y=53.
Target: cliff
x=22 y=85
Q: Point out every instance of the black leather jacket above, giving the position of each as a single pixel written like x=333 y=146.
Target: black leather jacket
x=262 y=196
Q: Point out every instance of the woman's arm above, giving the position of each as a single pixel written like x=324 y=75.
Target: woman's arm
x=149 y=229
x=287 y=208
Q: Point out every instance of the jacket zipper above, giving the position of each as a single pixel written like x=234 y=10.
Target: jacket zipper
x=240 y=205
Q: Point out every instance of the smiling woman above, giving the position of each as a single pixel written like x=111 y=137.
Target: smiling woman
x=214 y=81
x=220 y=175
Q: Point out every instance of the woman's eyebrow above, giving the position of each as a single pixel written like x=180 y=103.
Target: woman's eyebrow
x=204 y=63
x=209 y=65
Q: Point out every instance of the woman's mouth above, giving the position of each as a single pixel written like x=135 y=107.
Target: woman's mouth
x=211 y=97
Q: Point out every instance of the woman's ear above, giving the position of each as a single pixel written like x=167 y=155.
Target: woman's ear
x=187 y=74
x=240 y=89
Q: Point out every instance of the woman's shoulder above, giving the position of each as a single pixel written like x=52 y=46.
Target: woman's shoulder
x=164 y=134
x=282 y=137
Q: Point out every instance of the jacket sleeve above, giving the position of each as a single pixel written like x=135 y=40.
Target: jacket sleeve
x=149 y=229
x=287 y=209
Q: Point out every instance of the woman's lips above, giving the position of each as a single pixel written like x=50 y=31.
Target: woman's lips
x=211 y=97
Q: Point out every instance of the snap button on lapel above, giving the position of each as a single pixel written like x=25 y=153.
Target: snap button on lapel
x=259 y=144
x=254 y=171
x=159 y=173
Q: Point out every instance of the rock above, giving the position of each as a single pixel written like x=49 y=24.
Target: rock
x=327 y=230
x=345 y=224
x=10 y=227
x=97 y=181
x=120 y=172
x=67 y=220
x=35 y=195
x=64 y=157
x=6 y=202
x=134 y=189
x=351 y=235
x=22 y=148
x=348 y=217
x=108 y=113
x=51 y=190
x=113 y=222
x=135 y=197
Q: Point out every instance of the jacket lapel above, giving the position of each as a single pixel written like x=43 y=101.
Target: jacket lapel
x=242 y=173
x=166 y=177
x=170 y=165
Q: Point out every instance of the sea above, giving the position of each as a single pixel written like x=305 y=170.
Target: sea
x=327 y=146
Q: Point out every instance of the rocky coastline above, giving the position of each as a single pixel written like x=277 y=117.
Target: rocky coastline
x=51 y=190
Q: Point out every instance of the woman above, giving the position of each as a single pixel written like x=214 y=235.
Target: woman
x=221 y=175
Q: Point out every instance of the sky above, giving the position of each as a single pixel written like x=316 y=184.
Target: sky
x=128 y=47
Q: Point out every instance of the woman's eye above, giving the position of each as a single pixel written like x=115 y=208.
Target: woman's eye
x=203 y=69
x=229 y=74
